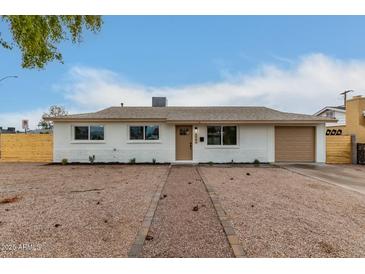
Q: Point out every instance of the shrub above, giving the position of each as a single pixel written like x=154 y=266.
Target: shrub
x=210 y=163
x=154 y=161
x=92 y=159
x=256 y=162
x=64 y=161
x=132 y=161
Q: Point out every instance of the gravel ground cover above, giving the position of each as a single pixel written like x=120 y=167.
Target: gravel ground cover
x=73 y=210
x=277 y=213
x=185 y=223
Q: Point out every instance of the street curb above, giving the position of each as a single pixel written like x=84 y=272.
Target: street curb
x=224 y=219
x=137 y=246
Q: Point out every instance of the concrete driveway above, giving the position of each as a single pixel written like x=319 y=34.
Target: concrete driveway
x=348 y=176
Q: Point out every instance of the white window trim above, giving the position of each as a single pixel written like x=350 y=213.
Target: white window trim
x=143 y=141
x=74 y=141
x=221 y=146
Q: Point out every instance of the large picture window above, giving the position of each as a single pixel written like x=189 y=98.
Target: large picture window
x=222 y=135
x=148 y=133
x=93 y=133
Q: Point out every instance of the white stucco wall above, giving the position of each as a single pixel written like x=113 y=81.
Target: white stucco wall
x=320 y=143
x=116 y=147
x=254 y=142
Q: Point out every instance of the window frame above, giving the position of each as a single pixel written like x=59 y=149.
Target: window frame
x=221 y=135
x=144 y=140
x=88 y=140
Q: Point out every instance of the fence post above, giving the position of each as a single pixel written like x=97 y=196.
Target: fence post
x=353 y=149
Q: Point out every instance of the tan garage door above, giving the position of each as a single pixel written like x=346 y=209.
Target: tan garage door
x=294 y=144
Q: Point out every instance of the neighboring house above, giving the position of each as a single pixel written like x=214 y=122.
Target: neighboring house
x=9 y=130
x=351 y=120
x=189 y=134
x=338 y=113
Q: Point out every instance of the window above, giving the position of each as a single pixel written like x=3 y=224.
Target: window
x=94 y=133
x=136 y=133
x=81 y=133
x=184 y=131
x=330 y=114
x=152 y=133
x=229 y=135
x=222 y=135
x=148 y=133
x=214 y=136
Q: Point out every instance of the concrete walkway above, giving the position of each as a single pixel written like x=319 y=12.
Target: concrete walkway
x=347 y=176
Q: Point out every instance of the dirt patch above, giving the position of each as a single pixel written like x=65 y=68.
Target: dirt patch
x=185 y=223
x=277 y=213
x=9 y=200
x=74 y=211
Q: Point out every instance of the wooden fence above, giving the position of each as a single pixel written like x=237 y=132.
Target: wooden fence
x=26 y=147
x=338 y=149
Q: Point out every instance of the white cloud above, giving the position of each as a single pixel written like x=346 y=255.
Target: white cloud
x=14 y=119
x=312 y=82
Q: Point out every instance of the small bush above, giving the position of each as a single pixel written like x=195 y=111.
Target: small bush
x=210 y=163
x=64 y=161
x=256 y=162
x=132 y=161
x=92 y=159
x=154 y=161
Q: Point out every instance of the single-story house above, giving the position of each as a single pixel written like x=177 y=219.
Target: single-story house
x=189 y=134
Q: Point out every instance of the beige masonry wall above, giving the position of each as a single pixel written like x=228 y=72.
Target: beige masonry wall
x=355 y=120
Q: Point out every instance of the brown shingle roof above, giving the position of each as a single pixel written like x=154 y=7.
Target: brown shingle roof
x=177 y=114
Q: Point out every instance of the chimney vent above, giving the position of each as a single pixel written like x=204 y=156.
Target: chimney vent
x=159 y=102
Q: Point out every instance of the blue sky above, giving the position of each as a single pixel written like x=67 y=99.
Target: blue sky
x=292 y=63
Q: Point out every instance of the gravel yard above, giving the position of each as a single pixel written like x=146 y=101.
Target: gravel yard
x=277 y=213
x=73 y=210
x=180 y=230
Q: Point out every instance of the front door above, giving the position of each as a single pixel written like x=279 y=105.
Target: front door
x=184 y=143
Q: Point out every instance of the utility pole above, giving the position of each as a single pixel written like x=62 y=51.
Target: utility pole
x=345 y=96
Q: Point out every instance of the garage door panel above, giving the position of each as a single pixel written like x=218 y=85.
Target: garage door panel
x=294 y=144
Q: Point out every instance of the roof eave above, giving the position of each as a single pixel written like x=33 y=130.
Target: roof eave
x=331 y=108
x=189 y=121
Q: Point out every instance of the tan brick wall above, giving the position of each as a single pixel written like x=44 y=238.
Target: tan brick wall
x=355 y=120
x=26 y=147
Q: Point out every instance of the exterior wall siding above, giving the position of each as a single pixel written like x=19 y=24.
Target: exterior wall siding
x=254 y=142
x=116 y=146
x=320 y=143
x=355 y=120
